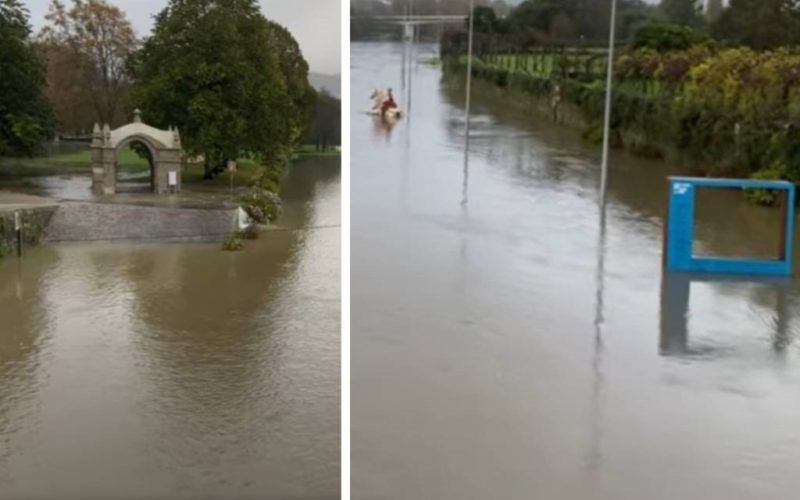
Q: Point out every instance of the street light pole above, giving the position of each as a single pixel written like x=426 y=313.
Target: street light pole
x=469 y=72
x=609 y=98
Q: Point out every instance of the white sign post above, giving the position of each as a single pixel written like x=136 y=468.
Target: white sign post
x=172 y=181
x=231 y=169
x=18 y=230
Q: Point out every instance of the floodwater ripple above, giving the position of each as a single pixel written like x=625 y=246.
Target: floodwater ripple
x=500 y=351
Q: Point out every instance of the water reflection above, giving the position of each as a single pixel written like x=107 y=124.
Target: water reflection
x=675 y=310
x=530 y=342
x=595 y=457
x=178 y=370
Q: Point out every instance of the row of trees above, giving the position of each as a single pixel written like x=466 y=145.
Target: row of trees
x=760 y=24
x=234 y=82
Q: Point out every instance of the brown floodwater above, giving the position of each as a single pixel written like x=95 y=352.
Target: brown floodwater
x=178 y=370
x=503 y=346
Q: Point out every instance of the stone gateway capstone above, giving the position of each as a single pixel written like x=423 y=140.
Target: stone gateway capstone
x=164 y=147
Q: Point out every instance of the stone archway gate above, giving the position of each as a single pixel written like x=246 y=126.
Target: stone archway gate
x=164 y=146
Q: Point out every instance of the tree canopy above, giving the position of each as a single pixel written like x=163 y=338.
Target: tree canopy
x=326 y=128
x=667 y=37
x=90 y=43
x=683 y=12
x=26 y=119
x=233 y=82
x=569 y=21
x=760 y=24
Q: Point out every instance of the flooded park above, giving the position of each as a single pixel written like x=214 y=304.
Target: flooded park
x=509 y=343
x=176 y=370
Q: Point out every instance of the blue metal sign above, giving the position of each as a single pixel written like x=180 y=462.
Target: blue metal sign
x=680 y=229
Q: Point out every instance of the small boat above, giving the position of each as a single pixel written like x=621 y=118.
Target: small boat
x=384 y=106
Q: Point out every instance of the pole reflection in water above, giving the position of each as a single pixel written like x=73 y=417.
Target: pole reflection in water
x=595 y=454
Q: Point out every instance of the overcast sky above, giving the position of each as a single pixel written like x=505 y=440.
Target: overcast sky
x=316 y=24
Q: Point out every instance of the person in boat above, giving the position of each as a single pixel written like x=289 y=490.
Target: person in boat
x=388 y=103
x=378 y=96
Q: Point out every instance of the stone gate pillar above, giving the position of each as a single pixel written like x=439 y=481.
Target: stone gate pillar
x=168 y=167
x=104 y=161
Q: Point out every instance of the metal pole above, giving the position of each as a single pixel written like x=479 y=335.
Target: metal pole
x=18 y=230
x=469 y=74
x=609 y=96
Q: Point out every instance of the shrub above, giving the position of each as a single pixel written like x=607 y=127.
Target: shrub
x=233 y=242
x=664 y=37
x=269 y=179
x=261 y=205
x=766 y=197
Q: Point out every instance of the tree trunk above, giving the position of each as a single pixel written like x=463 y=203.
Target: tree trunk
x=208 y=168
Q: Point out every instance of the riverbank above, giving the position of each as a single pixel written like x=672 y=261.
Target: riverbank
x=35 y=214
x=580 y=105
x=201 y=212
x=714 y=112
x=47 y=220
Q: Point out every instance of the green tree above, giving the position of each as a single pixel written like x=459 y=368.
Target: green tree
x=26 y=119
x=761 y=24
x=484 y=20
x=713 y=10
x=294 y=69
x=326 y=129
x=214 y=69
x=683 y=12
x=667 y=37
x=573 y=20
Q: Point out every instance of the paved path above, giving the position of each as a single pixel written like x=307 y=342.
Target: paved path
x=141 y=218
x=17 y=201
x=79 y=221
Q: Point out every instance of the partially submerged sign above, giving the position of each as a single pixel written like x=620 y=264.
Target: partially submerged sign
x=679 y=237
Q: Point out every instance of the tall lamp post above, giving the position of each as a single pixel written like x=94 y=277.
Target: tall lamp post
x=469 y=71
x=609 y=99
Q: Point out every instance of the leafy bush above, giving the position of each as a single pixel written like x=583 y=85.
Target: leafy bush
x=233 y=242
x=664 y=37
x=766 y=197
x=261 y=205
x=269 y=179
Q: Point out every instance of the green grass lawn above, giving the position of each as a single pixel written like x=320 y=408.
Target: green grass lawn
x=310 y=150
x=247 y=169
x=80 y=163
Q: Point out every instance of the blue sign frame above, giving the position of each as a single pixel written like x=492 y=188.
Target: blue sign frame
x=679 y=237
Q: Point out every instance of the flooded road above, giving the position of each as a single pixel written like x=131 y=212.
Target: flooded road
x=503 y=347
x=178 y=371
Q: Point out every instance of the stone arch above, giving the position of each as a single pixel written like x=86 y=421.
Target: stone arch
x=147 y=143
x=164 y=146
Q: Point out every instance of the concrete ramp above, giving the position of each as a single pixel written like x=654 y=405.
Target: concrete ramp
x=78 y=221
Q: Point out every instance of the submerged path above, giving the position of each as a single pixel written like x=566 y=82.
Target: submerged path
x=502 y=349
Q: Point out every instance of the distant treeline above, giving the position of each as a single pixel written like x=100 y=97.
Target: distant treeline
x=325 y=131
x=759 y=24
x=364 y=24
